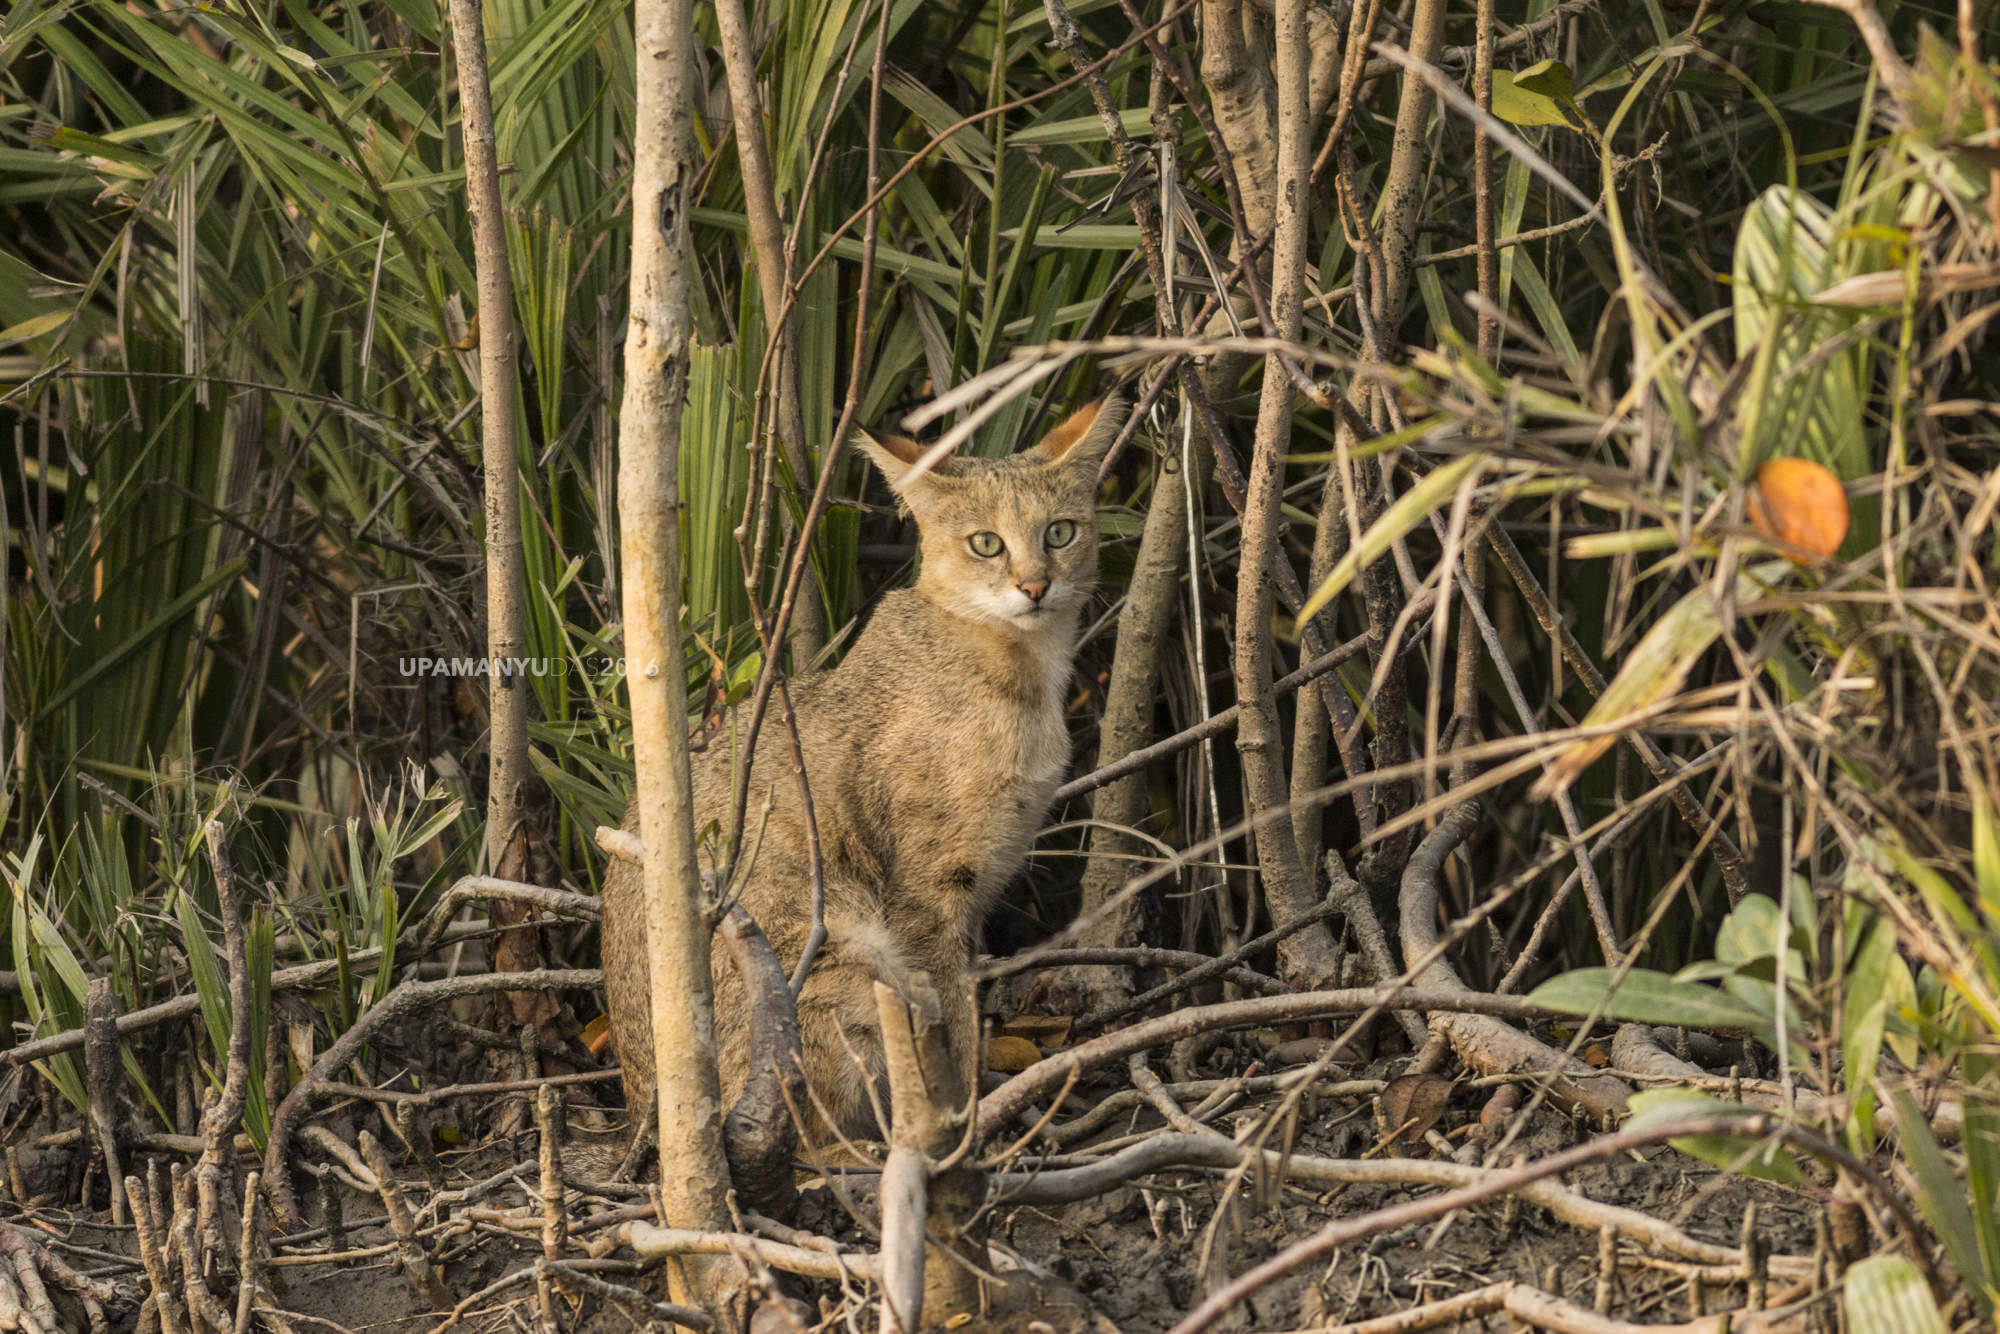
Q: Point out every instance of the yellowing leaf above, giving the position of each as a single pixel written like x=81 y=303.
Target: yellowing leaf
x=1411 y=508
x=1412 y=1104
x=34 y=326
x=1885 y=1294
x=1653 y=672
x=1046 y=1031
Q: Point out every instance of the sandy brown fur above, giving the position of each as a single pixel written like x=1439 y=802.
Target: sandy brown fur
x=932 y=750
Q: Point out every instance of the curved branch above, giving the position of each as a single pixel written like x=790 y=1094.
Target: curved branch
x=1481 y=1041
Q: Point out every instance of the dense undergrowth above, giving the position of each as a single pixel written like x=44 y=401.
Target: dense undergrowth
x=244 y=517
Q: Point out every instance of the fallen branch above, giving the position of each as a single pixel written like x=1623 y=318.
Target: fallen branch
x=421 y=1098
x=1107 y=1108
x=486 y=888
x=758 y=1134
x=653 y=1241
x=1532 y=1306
x=1145 y=956
x=1634 y=1049
x=1343 y=1232
x=218 y=1154
x=400 y=1001
x=1168 y=1151
x=1013 y=1097
x=410 y=1251
x=930 y=1196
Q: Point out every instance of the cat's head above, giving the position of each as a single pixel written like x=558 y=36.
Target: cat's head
x=1009 y=541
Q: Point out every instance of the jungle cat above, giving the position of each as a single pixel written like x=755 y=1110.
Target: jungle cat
x=932 y=750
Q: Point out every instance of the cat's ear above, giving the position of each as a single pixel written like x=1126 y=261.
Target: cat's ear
x=894 y=456
x=1085 y=436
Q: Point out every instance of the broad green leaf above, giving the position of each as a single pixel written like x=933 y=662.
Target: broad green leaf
x=1084 y=236
x=64 y=1070
x=1656 y=668
x=1749 y=1155
x=1885 y=1294
x=1901 y=1036
x=1523 y=106
x=1802 y=401
x=1631 y=542
x=1982 y=1170
x=210 y=985
x=260 y=950
x=1865 y=1019
x=1939 y=1195
x=1550 y=78
x=964 y=144
x=1647 y=997
x=1753 y=930
x=1547 y=310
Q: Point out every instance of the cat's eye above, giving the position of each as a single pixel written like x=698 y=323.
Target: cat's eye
x=1060 y=533
x=986 y=544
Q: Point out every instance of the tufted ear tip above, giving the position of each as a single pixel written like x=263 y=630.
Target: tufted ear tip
x=900 y=451
x=894 y=456
x=1086 y=435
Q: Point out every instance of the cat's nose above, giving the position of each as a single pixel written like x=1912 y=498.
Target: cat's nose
x=1036 y=589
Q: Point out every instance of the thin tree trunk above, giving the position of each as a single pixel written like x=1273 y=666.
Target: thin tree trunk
x=767 y=247
x=1402 y=200
x=1288 y=887
x=508 y=740
x=694 y=1175
x=1150 y=603
x=1312 y=735
x=1482 y=184
x=1127 y=724
x=1409 y=165
x=516 y=805
x=1239 y=87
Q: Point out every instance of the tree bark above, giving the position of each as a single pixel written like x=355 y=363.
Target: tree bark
x=1241 y=90
x=1409 y=164
x=694 y=1175
x=932 y=1243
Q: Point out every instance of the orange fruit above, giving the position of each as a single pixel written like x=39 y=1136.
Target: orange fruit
x=1799 y=503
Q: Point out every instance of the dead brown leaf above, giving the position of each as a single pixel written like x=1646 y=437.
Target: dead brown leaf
x=1413 y=1104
